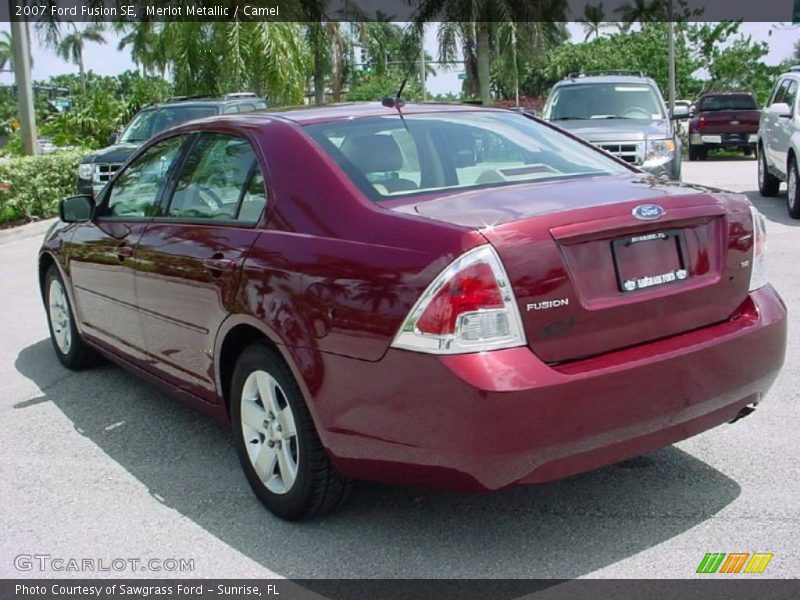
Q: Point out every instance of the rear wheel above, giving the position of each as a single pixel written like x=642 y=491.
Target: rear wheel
x=697 y=153
x=748 y=150
x=70 y=348
x=277 y=443
x=793 y=190
x=768 y=184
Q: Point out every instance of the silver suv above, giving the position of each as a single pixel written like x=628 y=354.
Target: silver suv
x=779 y=141
x=623 y=113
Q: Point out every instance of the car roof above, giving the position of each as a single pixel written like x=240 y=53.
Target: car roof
x=194 y=102
x=335 y=112
x=592 y=79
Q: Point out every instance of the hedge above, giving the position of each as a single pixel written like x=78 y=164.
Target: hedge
x=31 y=186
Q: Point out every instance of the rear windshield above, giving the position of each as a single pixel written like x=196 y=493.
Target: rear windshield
x=744 y=102
x=150 y=122
x=604 y=101
x=389 y=157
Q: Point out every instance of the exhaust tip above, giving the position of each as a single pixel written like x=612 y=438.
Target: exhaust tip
x=747 y=410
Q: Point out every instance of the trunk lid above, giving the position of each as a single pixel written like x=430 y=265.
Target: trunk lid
x=590 y=277
x=728 y=121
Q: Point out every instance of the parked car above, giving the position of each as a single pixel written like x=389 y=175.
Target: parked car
x=779 y=142
x=97 y=168
x=623 y=113
x=444 y=295
x=724 y=120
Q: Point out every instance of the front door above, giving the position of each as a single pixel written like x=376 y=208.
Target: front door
x=190 y=258
x=102 y=253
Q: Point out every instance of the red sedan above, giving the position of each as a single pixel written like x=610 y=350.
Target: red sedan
x=438 y=295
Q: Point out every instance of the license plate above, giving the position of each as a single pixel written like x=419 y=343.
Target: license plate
x=649 y=260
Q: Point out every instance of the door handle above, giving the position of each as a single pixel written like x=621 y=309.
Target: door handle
x=124 y=252
x=218 y=264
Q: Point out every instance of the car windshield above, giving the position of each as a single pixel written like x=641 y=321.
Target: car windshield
x=711 y=103
x=152 y=121
x=605 y=101
x=389 y=157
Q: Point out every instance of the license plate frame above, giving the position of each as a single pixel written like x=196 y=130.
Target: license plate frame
x=628 y=282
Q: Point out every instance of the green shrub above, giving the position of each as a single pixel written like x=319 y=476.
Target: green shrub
x=31 y=186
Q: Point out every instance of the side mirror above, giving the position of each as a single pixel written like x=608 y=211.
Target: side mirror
x=680 y=112
x=780 y=109
x=76 y=209
x=113 y=137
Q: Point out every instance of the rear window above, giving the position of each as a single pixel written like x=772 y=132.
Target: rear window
x=392 y=157
x=712 y=103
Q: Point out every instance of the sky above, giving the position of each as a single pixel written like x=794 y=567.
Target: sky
x=105 y=59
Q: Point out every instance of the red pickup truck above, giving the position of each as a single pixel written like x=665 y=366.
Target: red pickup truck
x=724 y=120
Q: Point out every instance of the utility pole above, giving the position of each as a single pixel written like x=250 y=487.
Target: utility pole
x=22 y=77
x=671 y=53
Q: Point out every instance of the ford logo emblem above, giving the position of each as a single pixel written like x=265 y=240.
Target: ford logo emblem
x=647 y=212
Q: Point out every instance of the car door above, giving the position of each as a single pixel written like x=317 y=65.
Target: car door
x=770 y=120
x=191 y=257
x=783 y=126
x=102 y=253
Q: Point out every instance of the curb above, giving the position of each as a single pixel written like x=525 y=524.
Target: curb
x=28 y=230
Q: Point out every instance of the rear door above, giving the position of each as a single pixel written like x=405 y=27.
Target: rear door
x=190 y=257
x=102 y=253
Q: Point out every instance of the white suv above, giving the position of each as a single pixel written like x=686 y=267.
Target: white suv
x=779 y=141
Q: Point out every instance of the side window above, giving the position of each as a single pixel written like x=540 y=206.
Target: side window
x=780 y=92
x=231 y=109
x=135 y=190
x=791 y=93
x=217 y=179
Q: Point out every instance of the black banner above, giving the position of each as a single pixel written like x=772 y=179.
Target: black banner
x=399 y=10
x=735 y=587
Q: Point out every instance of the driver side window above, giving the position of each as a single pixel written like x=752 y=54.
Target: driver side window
x=135 y=191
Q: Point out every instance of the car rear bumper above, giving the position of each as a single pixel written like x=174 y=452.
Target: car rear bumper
x=485 y=421
x=723 y=140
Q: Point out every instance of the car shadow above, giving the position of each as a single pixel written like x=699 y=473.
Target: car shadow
x=563 y=529
x=773 y=208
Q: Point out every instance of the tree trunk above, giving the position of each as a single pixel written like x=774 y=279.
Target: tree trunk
x=317 y=42
x=483 y=51
x=82 y=73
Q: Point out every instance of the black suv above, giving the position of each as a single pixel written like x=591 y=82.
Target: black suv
x=97 y=168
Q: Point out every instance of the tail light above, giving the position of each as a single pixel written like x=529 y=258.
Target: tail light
x=758 y=273
x=469 y=307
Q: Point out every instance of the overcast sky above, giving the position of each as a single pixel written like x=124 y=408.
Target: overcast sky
x=105 y=59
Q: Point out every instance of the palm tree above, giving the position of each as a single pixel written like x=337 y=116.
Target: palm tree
x=6 y=50
x=593 y=19
x=475 y=24
x=71 y=46
x=147 y=48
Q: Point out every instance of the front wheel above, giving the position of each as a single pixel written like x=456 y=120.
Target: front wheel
x=70 y=348
x=768 y=184
x=277 y=443
x=793 y=190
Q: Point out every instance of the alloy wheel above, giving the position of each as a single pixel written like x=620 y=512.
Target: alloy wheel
x=270 y=433
x=60 y=318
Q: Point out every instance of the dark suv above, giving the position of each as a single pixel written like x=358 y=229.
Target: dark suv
x=623 y=113
x=97 y=168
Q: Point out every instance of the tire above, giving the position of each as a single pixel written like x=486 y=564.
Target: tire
x=277 y=443
x=70 y=348
x=768 y=184
x=793 y=189
x=748 y=150
x=697 y=153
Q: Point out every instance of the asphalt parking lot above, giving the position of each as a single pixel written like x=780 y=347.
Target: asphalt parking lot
x=101 y=465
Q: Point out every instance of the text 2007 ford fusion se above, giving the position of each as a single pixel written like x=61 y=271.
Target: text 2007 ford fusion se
x=432 y=295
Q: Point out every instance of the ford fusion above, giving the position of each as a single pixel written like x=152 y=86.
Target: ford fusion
x=433 y=295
